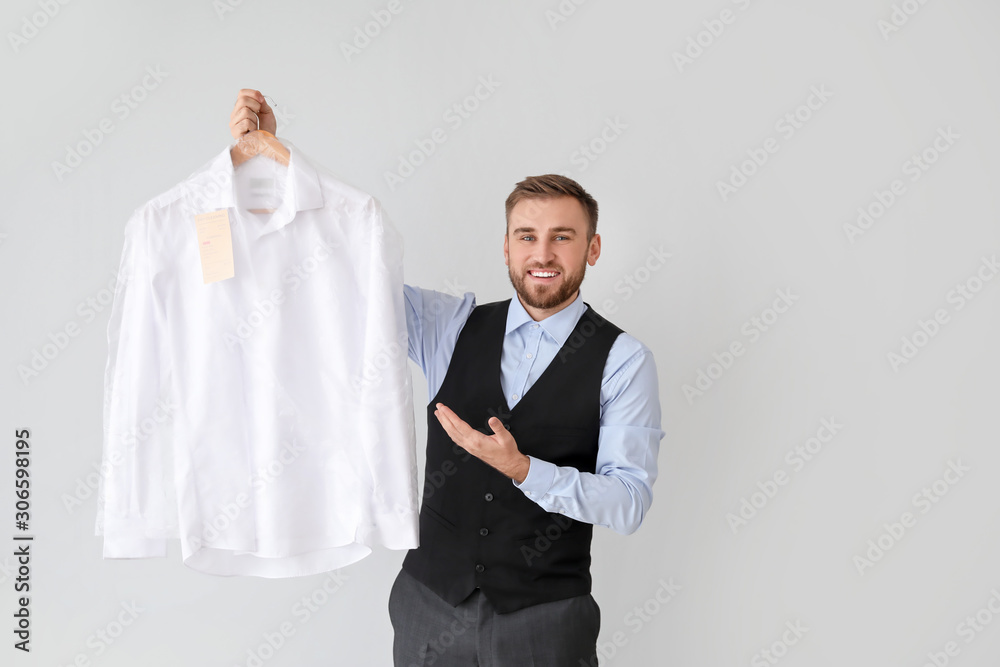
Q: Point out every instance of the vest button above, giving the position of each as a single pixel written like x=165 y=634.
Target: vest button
x=480 y=568
x=488 y=497
x=484 y=532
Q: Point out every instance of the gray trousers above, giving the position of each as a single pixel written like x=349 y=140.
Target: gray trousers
x=429 y=631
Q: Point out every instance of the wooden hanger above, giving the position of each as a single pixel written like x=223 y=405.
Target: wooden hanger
x=259 y=142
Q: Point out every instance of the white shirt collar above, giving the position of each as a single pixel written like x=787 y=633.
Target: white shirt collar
x=302 y=186
x=558 y=326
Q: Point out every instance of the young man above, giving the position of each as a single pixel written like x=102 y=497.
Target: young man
x=544 y=421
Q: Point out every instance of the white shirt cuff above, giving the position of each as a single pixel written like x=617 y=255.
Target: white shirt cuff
x=134 y=547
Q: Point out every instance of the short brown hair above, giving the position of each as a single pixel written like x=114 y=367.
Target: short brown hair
x=554 y=185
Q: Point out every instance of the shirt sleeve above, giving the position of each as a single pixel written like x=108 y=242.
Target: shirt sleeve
x=386 y=397
x=433 y=321
x=619 y=494
x=136 y=512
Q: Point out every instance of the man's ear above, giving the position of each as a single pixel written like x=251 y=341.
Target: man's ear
x=594 y=250
x=506 y=251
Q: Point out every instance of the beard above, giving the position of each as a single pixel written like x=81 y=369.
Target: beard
x=538 y=295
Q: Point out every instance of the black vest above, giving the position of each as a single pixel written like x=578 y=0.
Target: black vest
x=476 y=528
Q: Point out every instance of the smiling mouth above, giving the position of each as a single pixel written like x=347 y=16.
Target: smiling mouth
x=543 y=276
x=540 y=276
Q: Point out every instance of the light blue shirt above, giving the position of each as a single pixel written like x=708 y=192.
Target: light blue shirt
x=619 y=494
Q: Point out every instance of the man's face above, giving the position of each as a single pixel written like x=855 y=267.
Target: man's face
x=548 y=235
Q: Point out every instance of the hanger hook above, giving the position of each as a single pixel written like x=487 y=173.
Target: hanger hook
x=273 y=104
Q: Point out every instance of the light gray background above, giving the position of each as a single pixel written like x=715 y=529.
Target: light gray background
x=684 y=129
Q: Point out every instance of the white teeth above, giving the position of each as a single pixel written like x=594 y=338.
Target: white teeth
x=543 y=274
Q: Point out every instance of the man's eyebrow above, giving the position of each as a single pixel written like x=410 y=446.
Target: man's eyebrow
x=520 y=230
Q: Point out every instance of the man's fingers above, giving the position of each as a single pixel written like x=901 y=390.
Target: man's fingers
x=250 y=106
x=242 y=121
x=265 y=109
x=498 y=450
x=445 y=415
x=250 y=92
x=500 y=431
x=244 y=102
x=251 y=99
x=244 y=117
x=454 y=426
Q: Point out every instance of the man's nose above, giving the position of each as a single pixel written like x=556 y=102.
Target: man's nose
x=545 y=251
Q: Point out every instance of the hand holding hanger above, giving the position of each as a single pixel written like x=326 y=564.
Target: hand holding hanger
x=252 y=124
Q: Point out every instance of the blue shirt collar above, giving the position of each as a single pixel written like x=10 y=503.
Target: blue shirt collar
x=558 y=326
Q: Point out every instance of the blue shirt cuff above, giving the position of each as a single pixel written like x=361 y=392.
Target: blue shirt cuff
x=539 y=479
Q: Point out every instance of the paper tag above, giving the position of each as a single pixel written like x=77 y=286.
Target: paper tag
x=215 y=245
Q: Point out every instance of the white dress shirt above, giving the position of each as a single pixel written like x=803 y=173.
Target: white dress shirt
x=620 y=492
x=264 y=420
